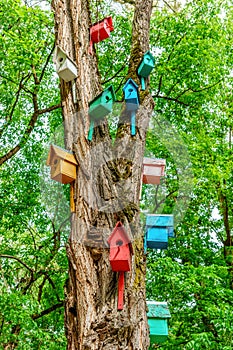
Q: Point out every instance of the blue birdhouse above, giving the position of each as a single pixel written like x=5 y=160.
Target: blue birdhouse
x=132 y=102
x=100 y=107
x=159 y=228
x=145 y=67
x=158 y=314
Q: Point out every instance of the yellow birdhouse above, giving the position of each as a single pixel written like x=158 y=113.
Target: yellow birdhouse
x=63 y=165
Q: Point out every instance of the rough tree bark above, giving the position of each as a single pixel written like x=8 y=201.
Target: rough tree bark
x=107 y=189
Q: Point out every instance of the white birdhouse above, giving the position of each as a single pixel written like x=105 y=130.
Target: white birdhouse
x=65 y=66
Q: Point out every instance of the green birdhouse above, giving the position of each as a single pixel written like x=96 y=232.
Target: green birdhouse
x=158 y=314
x=145 y=67
x=100 y=107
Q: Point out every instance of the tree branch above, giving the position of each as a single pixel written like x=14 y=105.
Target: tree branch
x=171 y=99
x=46 y=63
x=19 y=260
x=29 y=129
x=47 y=311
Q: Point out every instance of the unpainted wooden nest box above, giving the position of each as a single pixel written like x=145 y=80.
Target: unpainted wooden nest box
x=101 y=30
x=153 y=169
x=66 y=68
x=102 y=104
x=63 y=165
x=159 y=227
x=120 y=249
x=158 y=315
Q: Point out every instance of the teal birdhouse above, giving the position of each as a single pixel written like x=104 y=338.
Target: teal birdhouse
x=100 y=107
x=131 y=96
x=158 y=315
x=159 y=227
x=145 y=67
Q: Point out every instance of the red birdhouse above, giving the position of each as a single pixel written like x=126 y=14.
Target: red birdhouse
x=120 y=249
x=100 y=31
x=120 y=257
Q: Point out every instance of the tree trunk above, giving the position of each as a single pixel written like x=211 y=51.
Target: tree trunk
x=107 y=189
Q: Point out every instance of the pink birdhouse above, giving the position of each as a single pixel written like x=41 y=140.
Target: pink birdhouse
x=153 y=169
x=120 y=257
x=100 y=31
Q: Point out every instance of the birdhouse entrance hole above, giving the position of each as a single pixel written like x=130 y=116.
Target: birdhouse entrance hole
x=119 y=243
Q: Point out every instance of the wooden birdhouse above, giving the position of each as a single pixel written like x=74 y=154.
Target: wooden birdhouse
x=63 y=165
x=120 y=249
x=158 y=229
x=131 y=97
x=153 y=169
x=100 y=107
x=120 y=257
x=100 y=31
x=66 y=68
x=145 y=67
x=158 y=315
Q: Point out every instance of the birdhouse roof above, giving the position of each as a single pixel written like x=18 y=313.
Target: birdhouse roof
x=109 y=89
x=159 y=220
x=157 y=309
x=130 y=82
x=60 y=153
x=154 y=161
x=148 y=53
x=59 y=50
x=119 y=230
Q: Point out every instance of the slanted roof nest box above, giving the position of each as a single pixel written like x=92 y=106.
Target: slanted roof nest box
x=158 y=314
x=66 y=68
x=153 y=169
x=63 y=165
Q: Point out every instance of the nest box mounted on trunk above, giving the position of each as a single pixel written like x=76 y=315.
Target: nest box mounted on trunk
x=131 y=96
x=100 y=31
x=158 y=314
x=159 y=227
x=145 y=67
x=63 y=165
x=100 y=107
x=153 y=169
x=65 y=66
x=120 y=257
